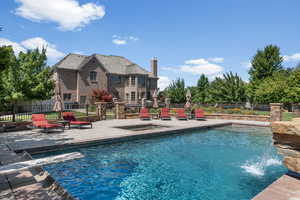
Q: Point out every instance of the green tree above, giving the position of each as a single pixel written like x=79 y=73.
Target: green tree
x=292 y=88
x=229 y=89
x=200 y=93
x=272 y=89
x=265 y=63
x=27 y=78
x=6 y=57
x=176 y=91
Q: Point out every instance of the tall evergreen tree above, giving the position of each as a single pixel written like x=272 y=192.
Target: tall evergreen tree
x=200 y=92
x=229 y=89
x=176 y=91
x=265 y=63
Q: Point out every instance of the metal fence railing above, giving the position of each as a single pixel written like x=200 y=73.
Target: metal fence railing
x=23 y=112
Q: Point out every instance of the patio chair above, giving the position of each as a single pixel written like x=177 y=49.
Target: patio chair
x=39 y=121
x=165 y=114
x=144 y=114
x=181 y=114
x=199 y=114
x=69 y=116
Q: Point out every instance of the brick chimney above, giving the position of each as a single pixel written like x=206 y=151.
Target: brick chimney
x=154 y=66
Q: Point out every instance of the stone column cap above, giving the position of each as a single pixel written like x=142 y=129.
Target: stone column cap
x=276 y=104
x=119 y=102
x=100 y=102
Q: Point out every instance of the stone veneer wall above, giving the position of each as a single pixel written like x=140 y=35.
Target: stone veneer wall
x=263 y=118
x=286 y=136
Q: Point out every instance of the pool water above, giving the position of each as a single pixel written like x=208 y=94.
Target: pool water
x=225 y=163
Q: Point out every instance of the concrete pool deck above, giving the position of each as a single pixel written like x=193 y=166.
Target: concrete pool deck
x=34 y=141
x=106 y=132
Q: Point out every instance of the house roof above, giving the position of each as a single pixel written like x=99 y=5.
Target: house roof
x=111 y=64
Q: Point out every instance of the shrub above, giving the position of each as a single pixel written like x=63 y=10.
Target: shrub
x=101 y=95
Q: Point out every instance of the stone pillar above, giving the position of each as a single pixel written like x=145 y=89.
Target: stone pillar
x=101 y=110
x=167 y=102
x=296 y=109
x=120 y=110
x=276 y=112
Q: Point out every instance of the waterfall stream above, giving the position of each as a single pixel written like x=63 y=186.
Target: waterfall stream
x=258 y=166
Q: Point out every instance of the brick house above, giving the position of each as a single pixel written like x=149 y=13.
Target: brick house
x=77 y=75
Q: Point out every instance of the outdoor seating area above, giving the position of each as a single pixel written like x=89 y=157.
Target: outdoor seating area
x=39 y=121
x=164 y=114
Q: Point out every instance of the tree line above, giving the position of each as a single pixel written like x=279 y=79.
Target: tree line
x=269 y=82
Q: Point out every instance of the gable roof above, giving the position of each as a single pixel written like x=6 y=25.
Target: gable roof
x=71 y=61
x=111 y=64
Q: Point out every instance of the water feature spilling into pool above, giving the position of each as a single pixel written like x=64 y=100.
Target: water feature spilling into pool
x=217 y=164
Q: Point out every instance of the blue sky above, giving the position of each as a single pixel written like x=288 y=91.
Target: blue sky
x=188 y=37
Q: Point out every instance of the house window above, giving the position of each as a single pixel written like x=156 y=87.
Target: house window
x=143 y=95
x=116 y=80
x=127 y=97
x=82 y=100
x=133 y=80
x=142 y=81
x=132 y=96
x=67 y=96
x=127 y=81
x=148 y=95
x=93 y=76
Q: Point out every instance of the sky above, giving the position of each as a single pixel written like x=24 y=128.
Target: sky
x=189 y=38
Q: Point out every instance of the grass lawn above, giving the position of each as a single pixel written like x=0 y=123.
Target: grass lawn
x=286 y=116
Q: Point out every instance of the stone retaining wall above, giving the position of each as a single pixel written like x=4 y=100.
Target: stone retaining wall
x=263 y=118
x=286 y=137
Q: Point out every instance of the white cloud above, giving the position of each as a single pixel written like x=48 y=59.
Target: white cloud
x=32 y=43
x=119 y=42
x=163 y=82
x=16 y=46
x=216 y=59
x=69 y=14
x=123 y=40
x=247 y=64
x=201 y=66
x=294 y=57
x=200 y=61
x=38 y=42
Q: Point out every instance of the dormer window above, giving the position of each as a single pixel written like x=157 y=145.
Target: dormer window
x=93 y=76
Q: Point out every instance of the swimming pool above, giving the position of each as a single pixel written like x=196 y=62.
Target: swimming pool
x=223 y=163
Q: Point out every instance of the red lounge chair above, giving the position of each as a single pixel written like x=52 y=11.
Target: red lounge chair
x=199 y=114
x=181 y=114
x=164 y=114
x=144 y=114
x=40 y=121
x=69 y=116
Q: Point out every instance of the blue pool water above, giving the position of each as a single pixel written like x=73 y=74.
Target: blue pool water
x=225 y=163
